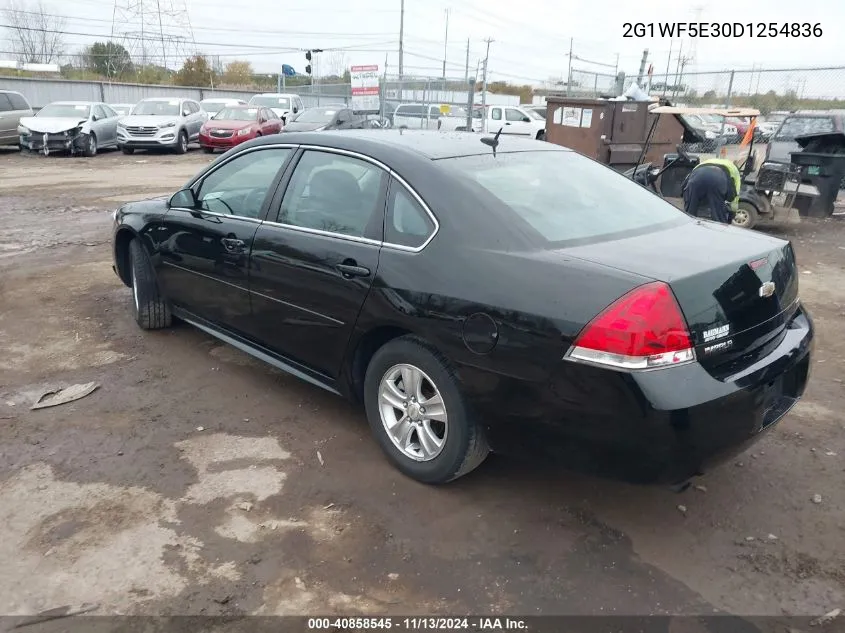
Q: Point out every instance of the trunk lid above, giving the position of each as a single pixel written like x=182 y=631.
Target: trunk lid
x=737 y=289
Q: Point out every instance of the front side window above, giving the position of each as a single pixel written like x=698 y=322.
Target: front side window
x=240 y=186
x=334 y=193
x=18 y=102
x=407 y=223
x=565 y=197
x=497 y=114
x=514 y=115
x=110 y=114
x=100 y=113
x=5 y=103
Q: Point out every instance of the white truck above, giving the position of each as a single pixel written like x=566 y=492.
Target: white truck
x=515 y=120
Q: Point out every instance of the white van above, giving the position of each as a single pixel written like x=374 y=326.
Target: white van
x=418 y=116
x=285 y=105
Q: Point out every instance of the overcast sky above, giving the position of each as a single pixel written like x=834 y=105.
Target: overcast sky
x=531 y=39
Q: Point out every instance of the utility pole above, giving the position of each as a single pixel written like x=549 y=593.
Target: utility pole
x=668 y=61
x=643 y=62
x=678 y=67
x=446 y=44
x=466 y=74
x=569 y=74
x=489 y=40
x=401 y=39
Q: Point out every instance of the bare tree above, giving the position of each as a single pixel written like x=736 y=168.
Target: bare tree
x=35 y=34
x=335 y=64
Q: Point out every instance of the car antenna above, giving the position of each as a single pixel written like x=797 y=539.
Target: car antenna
x=492 y=142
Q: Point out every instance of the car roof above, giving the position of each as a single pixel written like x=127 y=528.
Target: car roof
x=222 y=100
x=276 y=94
x=88 y=103
x=431 y=144
x=167 y=99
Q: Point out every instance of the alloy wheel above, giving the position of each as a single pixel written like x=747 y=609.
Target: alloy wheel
x=92 y=145
x=741 y=217
x=413 y=412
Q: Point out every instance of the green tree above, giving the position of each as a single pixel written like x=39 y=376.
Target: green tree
x=108 y=59
x=196 y=71
x=238 y=73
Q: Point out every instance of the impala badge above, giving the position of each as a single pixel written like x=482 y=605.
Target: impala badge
x=767 y=289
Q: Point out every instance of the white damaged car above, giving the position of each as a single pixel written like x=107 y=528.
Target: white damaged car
x=76 y=127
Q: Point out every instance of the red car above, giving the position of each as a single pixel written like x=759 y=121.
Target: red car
x=235 y=124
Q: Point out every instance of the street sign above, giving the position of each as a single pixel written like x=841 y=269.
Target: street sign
x=365 y=88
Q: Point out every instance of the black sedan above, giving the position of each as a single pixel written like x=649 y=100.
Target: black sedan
x=337 y=117
x=526 y=299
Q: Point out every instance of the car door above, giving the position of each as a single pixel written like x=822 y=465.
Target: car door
x=515 y=122
x=274 y=120
x=204 y=247
x=8 y=120
x=496 y=120
x=112 y=117
x=199 y=117
x=101 y=127
x=313 y=264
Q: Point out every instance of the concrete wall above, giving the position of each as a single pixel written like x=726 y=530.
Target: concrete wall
x=40 y=92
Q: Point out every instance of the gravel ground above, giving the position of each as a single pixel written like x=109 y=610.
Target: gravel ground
x=190 y=483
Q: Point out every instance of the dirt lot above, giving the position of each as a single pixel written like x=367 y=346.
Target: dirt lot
x=120 y=499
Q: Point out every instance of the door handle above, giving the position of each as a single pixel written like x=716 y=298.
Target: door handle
x=350 y=270
x=231 y=244
x=507 y=123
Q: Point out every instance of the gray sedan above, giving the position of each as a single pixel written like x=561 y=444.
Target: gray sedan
x=77 y=127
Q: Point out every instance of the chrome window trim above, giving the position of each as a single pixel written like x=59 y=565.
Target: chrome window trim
x=364 y=240
x=226 y=162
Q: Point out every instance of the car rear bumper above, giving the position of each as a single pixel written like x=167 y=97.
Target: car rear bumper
x=662 y=426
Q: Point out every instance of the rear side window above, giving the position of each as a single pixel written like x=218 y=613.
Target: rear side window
x=566 y=197
x=18 y=102
x=5 y=104
x=795 y=126
x=407 y=223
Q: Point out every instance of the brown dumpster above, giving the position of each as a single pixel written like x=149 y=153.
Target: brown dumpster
x=611 y=132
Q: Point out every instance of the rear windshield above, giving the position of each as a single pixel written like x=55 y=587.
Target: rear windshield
x=802 y=125
x=567 y=197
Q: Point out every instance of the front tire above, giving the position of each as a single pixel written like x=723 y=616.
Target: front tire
x=182 y=143
x=127 y=150
x=149 y=307
x=91 y=146
x=746 y=216
x=418 y=414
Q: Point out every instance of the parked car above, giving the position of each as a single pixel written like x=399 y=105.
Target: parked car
x=213 y=105
x=419 y=116
x=236 y=124
x=13 y=106
x=76 y=127
x=122 y=109
x=162 y=123
x=474 y=301
x=337 y=117
x=770 y=124
x=282 y=104
x=782 y=142
x=515 y=120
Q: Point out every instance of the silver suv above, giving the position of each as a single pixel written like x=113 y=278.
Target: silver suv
x=161 y=122
x=13 y=107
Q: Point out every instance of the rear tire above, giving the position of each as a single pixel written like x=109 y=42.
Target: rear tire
x=541 y=135
x=149 y=307
x=746 y=216
x=208 y=150
x=127 y=150
x=437 y=446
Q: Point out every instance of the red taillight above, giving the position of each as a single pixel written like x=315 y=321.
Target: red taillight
x=643 y=329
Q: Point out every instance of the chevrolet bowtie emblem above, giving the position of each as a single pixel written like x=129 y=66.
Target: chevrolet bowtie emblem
x=767 y=289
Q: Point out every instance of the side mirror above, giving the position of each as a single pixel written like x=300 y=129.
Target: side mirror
x=295 y=109
x=186 y=113
x=183 y=199
x=94 y=117
x=526 y=119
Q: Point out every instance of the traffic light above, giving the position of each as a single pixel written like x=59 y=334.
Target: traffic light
x=308 y=58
